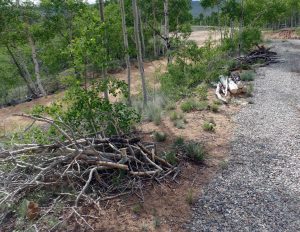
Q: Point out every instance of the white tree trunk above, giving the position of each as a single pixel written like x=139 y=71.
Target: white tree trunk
x=36 y=65
x=139 y=50
x=125 y=39
x=166 y=26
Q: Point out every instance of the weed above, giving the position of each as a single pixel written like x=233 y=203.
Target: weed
x=137 y=208
x=156 y=222
x=179 y=124
x=202 y=105
x=22 y=209
x=214 y=108
x=171 y=106
x=247 y=76
x=217 y=102
x=144 y=228
x=178 y=142
x=250 y=89
x=190 y=199
x=173 y=116
x=195 y=151
x=153 y=113
x=171 y=157
x=188 y=106
x=160 y=136
x=201 y=91
x=224 y=164
x=191 y=105
x=208 y=126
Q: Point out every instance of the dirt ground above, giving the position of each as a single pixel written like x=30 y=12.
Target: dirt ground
x=166 y=206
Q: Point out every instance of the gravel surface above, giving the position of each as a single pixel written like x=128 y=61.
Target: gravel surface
x=259 y=190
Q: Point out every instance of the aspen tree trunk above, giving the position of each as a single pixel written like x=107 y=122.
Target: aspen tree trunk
x=125 y=39
x=241 y=27
x=101 y=12
x=155 y=26
x=139 y=50
x=142 y=33
x=36 y=65
x=27 y=79
x=166 y=27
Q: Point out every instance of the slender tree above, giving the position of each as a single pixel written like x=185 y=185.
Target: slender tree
x=125 y=39
x=166 y=27
x=104 y=71
x=139 y=50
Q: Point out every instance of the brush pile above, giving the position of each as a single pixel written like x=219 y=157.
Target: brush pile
x=93 y=168
x=261 y=55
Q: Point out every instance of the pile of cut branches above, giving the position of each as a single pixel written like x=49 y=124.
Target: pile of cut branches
x=261 y=55
x=89 y=168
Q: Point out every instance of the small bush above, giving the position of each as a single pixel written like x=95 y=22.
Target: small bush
x=247 y=76
x=195 y=151
x=160 y=136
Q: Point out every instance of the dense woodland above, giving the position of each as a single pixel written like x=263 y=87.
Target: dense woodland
x=89 y=134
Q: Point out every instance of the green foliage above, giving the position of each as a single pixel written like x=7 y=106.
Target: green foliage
x=179 y=123
x=160 y=136
x=250 y=89
x=214 y=107
x=175 y=116
x=190 y=198
x=195 y=151
x=86 y=111
x=153 y=113
x=171 y=158
x=192 y=66
x=201 y=91
x=250 y=37
x=178 y=142
x=208 y=126
x=247 y=76
x=137 y=208
x=192 y=105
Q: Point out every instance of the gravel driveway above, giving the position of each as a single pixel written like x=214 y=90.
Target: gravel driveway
x=259 y=190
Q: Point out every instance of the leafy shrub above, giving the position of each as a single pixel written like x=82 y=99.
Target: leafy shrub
x=160 y=136
x=247 y=76
x=86 y=112
x=250 y=37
